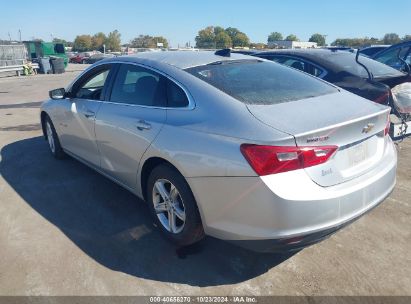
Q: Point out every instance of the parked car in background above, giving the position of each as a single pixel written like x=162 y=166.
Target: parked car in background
x=397 y=56
x=217 y=143
x=342 y=69
x=372 y=50
x=339 y=48
x=97 y=57
x=245 y=52
x=71 y=55
x=81 y=57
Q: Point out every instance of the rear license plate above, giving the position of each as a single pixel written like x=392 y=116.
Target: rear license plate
x=357 y=154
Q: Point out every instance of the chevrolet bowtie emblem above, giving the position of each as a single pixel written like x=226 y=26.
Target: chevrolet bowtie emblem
x=368 y=128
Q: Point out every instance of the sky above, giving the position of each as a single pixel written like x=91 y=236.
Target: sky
x=180 y=20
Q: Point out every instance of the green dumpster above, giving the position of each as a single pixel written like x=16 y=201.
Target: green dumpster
x=40 y=49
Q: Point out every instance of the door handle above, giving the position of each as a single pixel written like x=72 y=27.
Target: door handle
x=142 y=125
x=89 y=114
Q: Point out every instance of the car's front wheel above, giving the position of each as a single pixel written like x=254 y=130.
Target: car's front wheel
x=173 y=206
x=53 y=140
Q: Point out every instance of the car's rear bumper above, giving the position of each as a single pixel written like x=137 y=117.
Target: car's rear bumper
x=276 y=208
x=290 y=244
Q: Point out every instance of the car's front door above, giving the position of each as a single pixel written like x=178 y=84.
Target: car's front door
x=77 y=122
x=129 y=120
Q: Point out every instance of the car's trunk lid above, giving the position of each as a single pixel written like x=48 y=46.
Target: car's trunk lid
x=342 y=119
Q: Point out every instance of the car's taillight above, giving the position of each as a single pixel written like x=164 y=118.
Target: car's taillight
x=383 y=99
x=387 y=126
x=267 y=160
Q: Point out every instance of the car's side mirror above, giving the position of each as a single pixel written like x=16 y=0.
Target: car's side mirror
x=57 y=93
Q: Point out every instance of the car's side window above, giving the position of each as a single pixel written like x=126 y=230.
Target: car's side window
x=139 y=86
x=279 y=59
x=288 y=61
x=92 y=85
x=315 y=70
x=295 y=63
x=298 y=64
x=176 y=97
x=391 y=57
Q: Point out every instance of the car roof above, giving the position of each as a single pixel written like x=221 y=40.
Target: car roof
x=313 y=53
x=394 y=46
x=180 y=59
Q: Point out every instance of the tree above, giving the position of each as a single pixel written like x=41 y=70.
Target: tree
x=320 y=39
x=113 y=41
x=356 y=42
x=142 y=41
x=241 y=40
x=232 y=32
x=391 y=38
x=82 y=43
x=258 y=46
x=58 y=40
x=146 y=41
x=275 y=36
x=292 y=37
x=98 y=40
x=238 y=38
x=217 y=37
x=160 y=39
x=222 y=40
x=206 y=38
x=218 y=30
x=373 y=40
x=406 y=38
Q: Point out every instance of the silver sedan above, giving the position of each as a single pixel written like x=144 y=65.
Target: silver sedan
x=227 y=145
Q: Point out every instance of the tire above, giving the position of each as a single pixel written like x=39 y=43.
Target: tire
x=53 y=140
x=181 y=205
x=84 y=61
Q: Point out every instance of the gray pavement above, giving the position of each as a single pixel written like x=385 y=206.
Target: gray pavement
x=66 y=230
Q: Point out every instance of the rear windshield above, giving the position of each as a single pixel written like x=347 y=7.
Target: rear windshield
x=379 y=70
x=261 y=82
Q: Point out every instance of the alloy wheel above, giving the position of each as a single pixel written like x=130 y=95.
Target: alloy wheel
x=169 y=206
x=50 y=137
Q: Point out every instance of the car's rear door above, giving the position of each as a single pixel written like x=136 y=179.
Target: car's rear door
x=129 y=120
x=77 y=121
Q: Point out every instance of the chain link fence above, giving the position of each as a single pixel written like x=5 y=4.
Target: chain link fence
x=12 y=55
